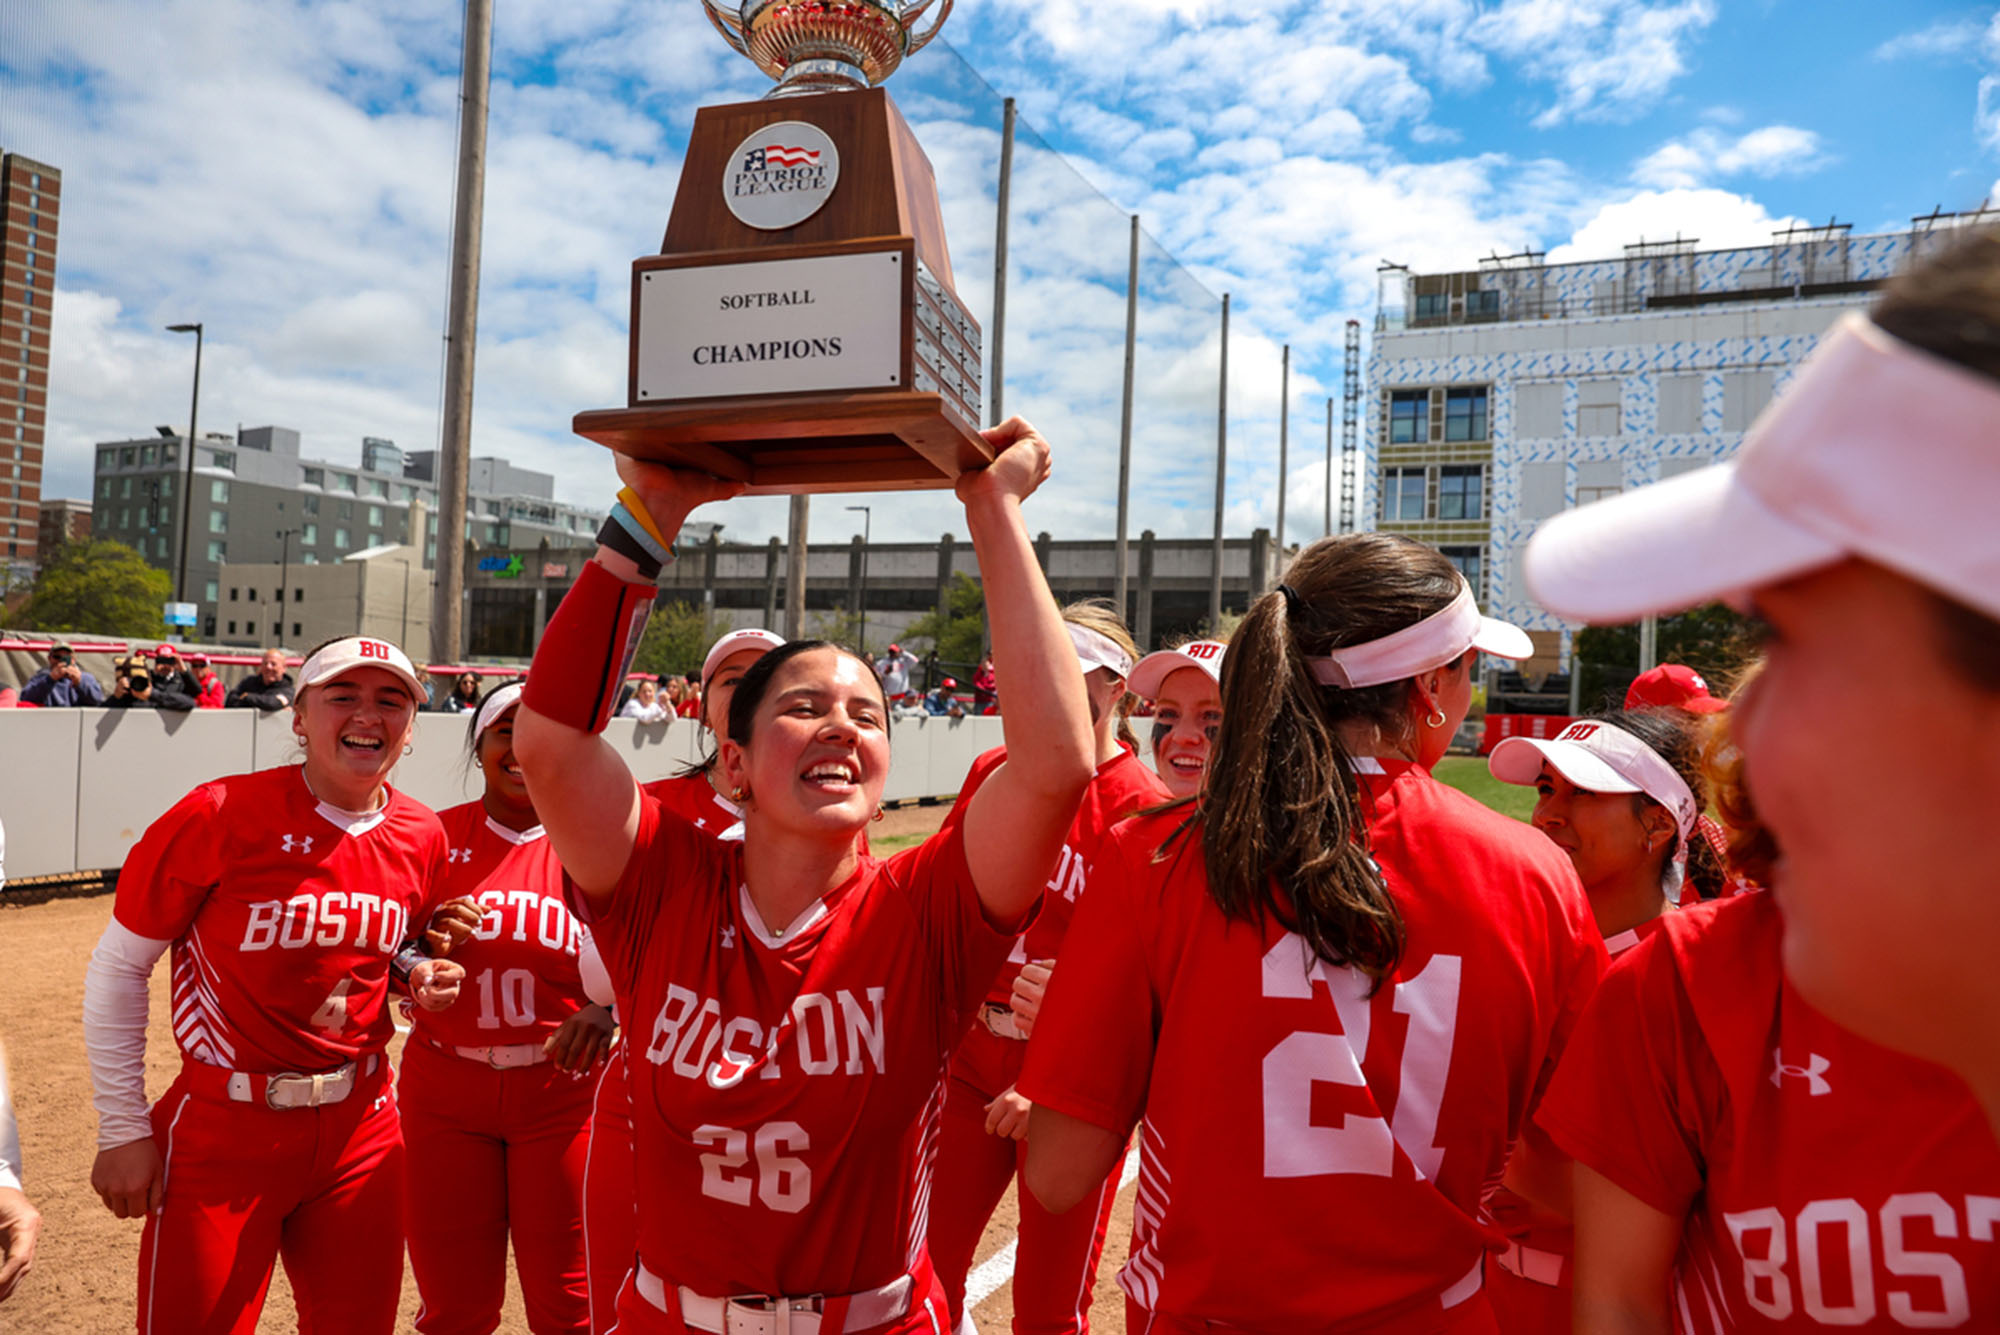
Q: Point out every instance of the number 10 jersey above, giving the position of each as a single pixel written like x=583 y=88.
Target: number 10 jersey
x=1314 y=1158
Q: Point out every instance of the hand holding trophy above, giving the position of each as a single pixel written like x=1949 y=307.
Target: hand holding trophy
x=799 y=330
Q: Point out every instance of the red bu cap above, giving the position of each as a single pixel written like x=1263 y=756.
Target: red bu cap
x=165 y=651
x=949 y=684
x=1672 y=686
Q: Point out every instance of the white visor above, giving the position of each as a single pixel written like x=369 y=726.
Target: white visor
x=1438 y=639
x=1877 y=450
x=735 y=642
x=359 y=651
x=496 y=704
x=1098 y=651
x=1597 y=758
x=1154 y=669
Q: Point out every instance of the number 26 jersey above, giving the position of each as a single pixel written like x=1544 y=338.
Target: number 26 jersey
x=1313 y=1158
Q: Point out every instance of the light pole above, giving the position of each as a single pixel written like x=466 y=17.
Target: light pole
x=867 y=521
x=187 y=474
x=284 y=573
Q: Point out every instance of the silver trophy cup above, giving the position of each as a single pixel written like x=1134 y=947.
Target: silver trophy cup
x=826 y=46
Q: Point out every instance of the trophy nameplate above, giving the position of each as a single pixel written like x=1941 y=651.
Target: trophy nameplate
x=799 y=330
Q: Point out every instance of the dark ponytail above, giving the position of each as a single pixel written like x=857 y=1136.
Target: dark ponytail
x=1676 y=736
x=1280 y=804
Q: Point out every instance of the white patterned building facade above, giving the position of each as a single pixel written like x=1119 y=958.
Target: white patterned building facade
x=1500 y=397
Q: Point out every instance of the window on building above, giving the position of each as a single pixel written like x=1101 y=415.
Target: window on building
x=310 y=558
x=374 y=516
x=1460 y=488
x=1409 y=416
x=167 y=486
x=343 y=482
x=218 y=491
x=209 y=590
x=232 y=628
x=309 y=504
x=313 y=477
x=1465 y=414
x=252 y=593
x=1680 y=405
x=124 y=488
x=1482 y=305
x=309 y=534
x=104 y=489
x=218 y=551
x=106 y=460
x=1471 y=563
x=376 y=487
x=298 y=595
x=233 y=591
x=218 y=521
x=1598 y=408
x=124 y=516
x=1744 y=394
x=1544 y=489
x=1538 y=411
x=223 y=459
x=278 y=629
x=340 y=542
x=146 y=456
x=170 y=454
x=1678 y=464
x=406 y=493
x=1433 y=305
x=1597 y=479
x=160 y=547
x=1403 y=494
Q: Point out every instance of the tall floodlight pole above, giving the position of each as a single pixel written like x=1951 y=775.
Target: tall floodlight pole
x=867 y=540
x=795 y=570
x=1221 y=474
x=187 y=473
x=1000 y=265
x=455 y=448
x=1329 y=470
x=1284 y=445
x=1123 y=563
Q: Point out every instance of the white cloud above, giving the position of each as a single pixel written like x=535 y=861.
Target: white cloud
x=1774 y=150
x=1608 y=59
x=1715 y=218
x=1986 y=120
x=1945 y=38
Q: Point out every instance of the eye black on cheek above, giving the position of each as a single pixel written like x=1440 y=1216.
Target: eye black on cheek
x=1161 y=731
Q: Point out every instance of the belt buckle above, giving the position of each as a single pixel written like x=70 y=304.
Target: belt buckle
x=280 y=1090
x=770 y=1316
x=493 y=1057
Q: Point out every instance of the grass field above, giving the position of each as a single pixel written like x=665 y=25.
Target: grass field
x=1469 y=775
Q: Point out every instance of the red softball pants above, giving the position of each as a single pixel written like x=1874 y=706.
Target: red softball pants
x=494 y=1152
x=246 y=1184
x=610 y=1210
x=1055 y=1263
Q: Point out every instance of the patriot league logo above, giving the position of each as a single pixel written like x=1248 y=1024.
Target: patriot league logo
x=781 y=175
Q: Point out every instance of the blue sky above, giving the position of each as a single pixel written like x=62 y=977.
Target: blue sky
x=282 y=171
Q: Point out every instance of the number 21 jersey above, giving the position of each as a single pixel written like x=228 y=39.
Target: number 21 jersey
x=1314 y=1158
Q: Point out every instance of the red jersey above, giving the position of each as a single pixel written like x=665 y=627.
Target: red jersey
x=1121 y=787
x=786 y=1087
x=1826 y=1182
x=521 y=978
x=694 y=799
x=283 y=912
x=1312 y=1158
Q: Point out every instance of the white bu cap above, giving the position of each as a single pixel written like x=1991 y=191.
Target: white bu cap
x=1598 y=758
x=358 y=651
x=735 y=642
x=1095 y=650
x=1440 y=638
x=1878 y=450
x=1154 y=669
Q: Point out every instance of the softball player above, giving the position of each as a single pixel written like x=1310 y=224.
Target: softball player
x=611 y=1218
x=1185 y=688
x=792 y=1001
x=985 y=1119
x=1331 y=986
x=1620 y=794
x=1856 y=523
x=287 y=897
x=486 y=1105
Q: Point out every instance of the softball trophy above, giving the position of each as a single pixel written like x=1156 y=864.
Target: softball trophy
x=799 y=330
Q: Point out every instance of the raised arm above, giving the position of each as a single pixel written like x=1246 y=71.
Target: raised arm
x=584 y=794
x=1019 y=816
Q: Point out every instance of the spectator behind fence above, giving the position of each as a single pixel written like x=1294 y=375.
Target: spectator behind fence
x=894 y=670
x=942 y=702
x=173 y=685
x=645 y=705
x=690 y=706
x=134 y=688
x=209 y=692
x=269 y=688
x=985 y=691
x=62 y=684
x=464 y=697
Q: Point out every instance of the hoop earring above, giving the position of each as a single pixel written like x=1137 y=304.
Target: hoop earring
x=740 y=796
x=877 y=815
x=1436 y=719
x=409 y=748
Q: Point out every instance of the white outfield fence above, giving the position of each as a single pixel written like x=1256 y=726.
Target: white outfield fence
x=79 y=786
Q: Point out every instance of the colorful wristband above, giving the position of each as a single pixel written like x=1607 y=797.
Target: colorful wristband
x=589 y=644
x=625 y=533
x=405 y=961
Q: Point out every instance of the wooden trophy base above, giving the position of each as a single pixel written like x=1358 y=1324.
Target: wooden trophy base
x=868 y=441
x=831 y=354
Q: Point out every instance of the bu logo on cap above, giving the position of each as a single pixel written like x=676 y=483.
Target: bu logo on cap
x=1202 y=649
x=373 y=649
x=1576 y=732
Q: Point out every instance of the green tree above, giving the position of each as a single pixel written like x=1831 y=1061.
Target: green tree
x=1713 y=640
x=99 y=586
x=838 y=626
x=957 y=631
x=676 y=640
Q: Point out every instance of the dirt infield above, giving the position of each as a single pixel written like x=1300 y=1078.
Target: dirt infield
x=83 y=1280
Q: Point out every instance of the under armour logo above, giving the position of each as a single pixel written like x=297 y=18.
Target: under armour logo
x=701 y=822
x=298 y=843
x=728 y=937
x=1813 y=1072
x=458 y=855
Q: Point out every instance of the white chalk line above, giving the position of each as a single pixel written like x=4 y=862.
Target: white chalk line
x=987 y=1277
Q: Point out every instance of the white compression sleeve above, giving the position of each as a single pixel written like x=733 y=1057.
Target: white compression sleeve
x=114 y=1031
x=10 y=1136
x=596 y=978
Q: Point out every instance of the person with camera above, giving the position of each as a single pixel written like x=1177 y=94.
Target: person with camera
x=135 y=688
x=62 y=684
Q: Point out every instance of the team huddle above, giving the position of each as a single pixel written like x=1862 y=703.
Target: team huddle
x=1383 y=1060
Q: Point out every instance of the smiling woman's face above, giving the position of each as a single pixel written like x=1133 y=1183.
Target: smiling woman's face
x=1187 y=717
x=818 y=755
x=354 y=729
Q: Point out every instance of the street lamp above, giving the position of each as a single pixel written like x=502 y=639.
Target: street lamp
x=867 y=519
x=187 y=474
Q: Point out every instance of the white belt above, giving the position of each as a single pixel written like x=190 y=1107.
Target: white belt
x=1001 y=1022
x=755 y=1314
x=1533 y=1264
x=298 y=1090
x=500 y=1056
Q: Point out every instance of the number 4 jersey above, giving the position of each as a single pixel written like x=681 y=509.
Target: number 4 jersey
x=1314 y=1158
